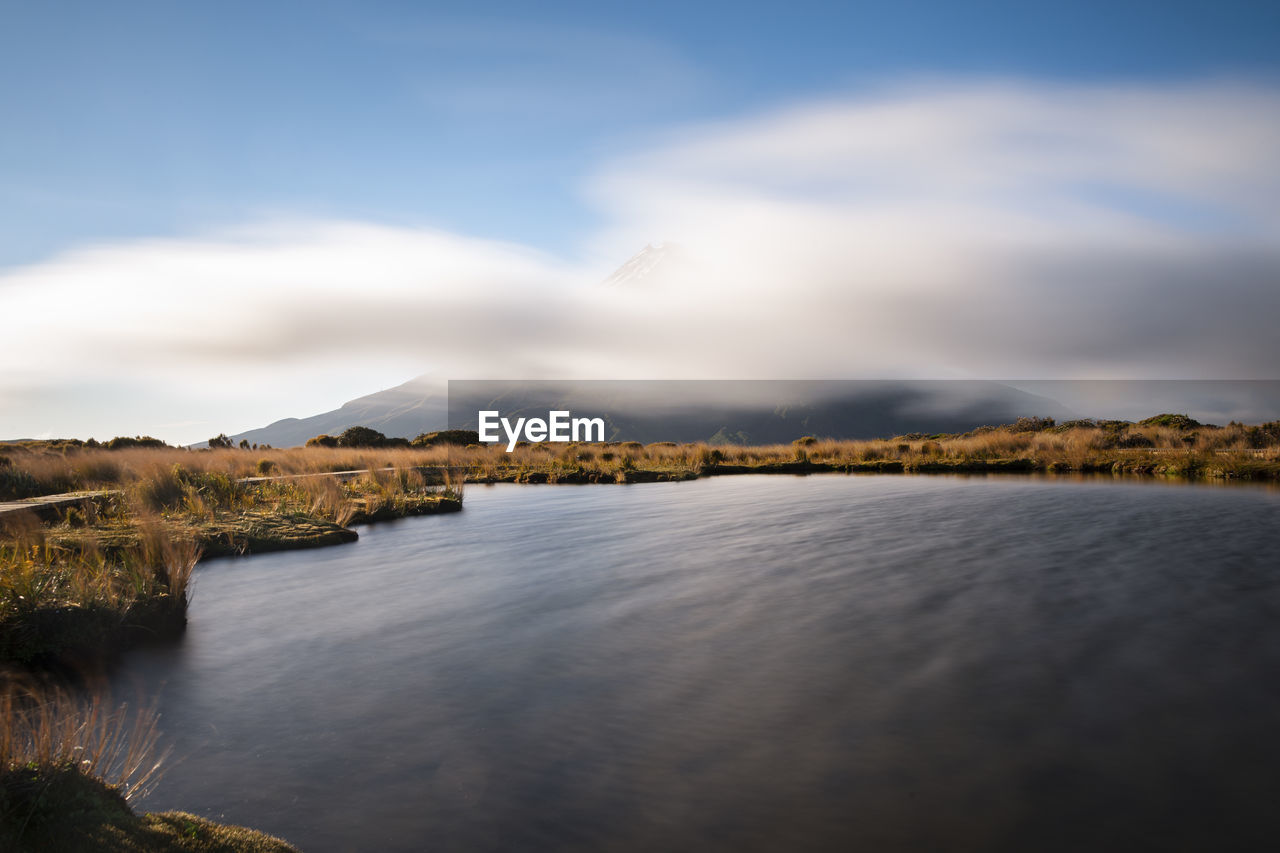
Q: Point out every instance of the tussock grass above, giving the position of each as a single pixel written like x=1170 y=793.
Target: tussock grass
x=44 y=727
x=69 y=606
x=161 y=477
x=70 y=765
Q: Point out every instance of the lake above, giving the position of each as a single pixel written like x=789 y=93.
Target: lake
x=746 y=663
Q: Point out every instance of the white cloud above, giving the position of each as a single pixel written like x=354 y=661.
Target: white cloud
x=987 y=230
x=991 y=230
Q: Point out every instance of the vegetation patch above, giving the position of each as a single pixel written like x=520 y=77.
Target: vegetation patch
x=70 y=764
x=357 y=436
x=1170 y=421
x=378 y=508
x=60 y=808
x=1153 y=447
x=456 y=437
x=68 y=607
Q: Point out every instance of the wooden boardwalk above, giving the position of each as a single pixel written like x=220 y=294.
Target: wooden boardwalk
x=42 y=506
x=47 y=504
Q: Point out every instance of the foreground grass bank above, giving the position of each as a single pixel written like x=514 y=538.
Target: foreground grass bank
x=72 y=608
x=69 y=766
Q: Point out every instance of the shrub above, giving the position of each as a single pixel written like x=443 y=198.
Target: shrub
x=1133 y=440
x=708 y=456
x=447 y=436
x=361 y=436
x=16 y=484
x=121 y=442
x=1172 y=421
x=1263 y=435
x=1082 y=423
x=322 y=441
x=1031 y=424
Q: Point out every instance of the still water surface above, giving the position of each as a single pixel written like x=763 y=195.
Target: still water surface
x=747 y=663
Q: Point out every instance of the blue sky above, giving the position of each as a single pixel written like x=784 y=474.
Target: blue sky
x=145 y=119
x=231 y=213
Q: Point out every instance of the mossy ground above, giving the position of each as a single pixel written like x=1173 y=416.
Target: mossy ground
x=61 y=810
x=257 y=531
x=403 y=506
x=219 y=533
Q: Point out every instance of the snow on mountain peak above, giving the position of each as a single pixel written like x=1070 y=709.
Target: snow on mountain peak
x=641 y=265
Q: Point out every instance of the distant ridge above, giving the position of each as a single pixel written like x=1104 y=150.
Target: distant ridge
x=871 y=409
x=757 y=411
x=407 y=410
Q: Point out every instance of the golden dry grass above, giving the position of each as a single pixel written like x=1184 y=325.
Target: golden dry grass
x=148 y=474
x=43 y=726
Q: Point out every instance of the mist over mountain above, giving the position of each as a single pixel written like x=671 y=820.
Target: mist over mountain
x=739 y=412
x=766 y=411
x=772 y=411
x=646 y=266
x=755 y=411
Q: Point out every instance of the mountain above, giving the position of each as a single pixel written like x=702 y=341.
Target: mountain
x=756 y=411
x=645 y=264
x=739 y=412
x=417 y=406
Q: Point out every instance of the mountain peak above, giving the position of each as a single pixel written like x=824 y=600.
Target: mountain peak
x=641 y=265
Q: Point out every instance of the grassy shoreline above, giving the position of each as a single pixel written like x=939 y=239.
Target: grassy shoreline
x=96 y=578
x=1188 y=469
x=96 y=575
x=1163 y=446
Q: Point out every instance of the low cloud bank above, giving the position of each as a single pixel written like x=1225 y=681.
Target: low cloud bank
x=994 y=230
